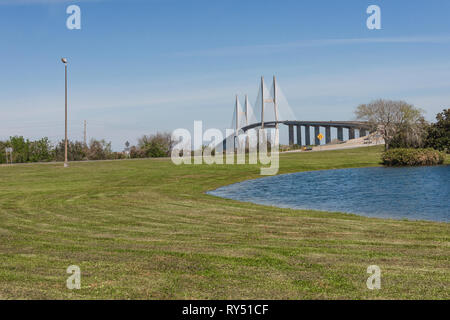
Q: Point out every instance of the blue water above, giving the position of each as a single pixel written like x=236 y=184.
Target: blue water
x=413 y=193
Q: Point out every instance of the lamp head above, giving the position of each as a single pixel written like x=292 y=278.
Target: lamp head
x=64 y=60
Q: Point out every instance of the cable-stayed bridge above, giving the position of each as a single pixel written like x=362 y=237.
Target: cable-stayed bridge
x=272 y=109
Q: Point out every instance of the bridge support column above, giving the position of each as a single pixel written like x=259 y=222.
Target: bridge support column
x=299 y=136
x=291 y=135
x=351 y=133
x=362 y=132
x=327 y=134
x=307 y=135
x=340 y=133
x=316 y=133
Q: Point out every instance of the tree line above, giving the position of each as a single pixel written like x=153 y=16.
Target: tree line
x=42 y=150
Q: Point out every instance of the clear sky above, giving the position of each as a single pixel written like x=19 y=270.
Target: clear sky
x=137 y=67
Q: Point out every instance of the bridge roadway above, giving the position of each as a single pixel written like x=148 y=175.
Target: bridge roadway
x=363 y=127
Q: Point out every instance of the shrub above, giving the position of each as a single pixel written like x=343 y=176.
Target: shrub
x=157 y=145
x=99 y=150
x=118 y=155
x=136 y=153
x=76 y=151
x=412 y=157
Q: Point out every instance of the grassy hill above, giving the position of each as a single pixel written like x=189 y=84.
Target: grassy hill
x=145 y=229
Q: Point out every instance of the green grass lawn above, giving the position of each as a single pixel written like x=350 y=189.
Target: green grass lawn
x=145 y=229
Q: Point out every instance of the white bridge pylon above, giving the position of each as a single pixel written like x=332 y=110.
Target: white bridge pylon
x=242 y=118
x=271 y=105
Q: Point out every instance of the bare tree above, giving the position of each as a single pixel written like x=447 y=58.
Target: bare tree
x=397 y=121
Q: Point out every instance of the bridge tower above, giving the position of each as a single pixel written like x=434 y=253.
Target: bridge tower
x=236 y=134
x=246 y=110
x=237 y=114
x=265 y=100
x=262 y=102
x=275 y=105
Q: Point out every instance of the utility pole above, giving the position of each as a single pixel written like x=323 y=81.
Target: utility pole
x=66 y=164
x=85 y=140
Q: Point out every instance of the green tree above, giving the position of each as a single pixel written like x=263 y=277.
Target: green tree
x=3 y=146
x=40 y=150
x=26 y=150
x=438 y=134
x=21 y=149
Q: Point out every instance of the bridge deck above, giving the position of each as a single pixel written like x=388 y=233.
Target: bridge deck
x=336 y=124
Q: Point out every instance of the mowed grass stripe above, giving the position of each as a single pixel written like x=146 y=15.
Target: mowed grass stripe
x=145 y=229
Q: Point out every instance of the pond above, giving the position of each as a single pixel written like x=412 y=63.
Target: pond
x=413 y=193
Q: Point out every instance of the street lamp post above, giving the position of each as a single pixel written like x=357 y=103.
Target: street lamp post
x=66 y=164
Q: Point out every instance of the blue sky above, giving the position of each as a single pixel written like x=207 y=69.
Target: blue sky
x=137 y=67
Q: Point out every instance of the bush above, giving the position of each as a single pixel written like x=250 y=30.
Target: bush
x=118 y=156
x=136 y=152
x=412 y=157
x=156 y=146
x=99 y=150
x=76 y=151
